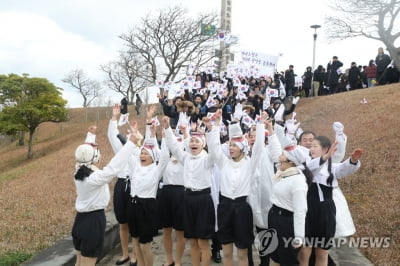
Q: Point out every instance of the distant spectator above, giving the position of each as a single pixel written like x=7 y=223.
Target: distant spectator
x=354 y=76
x=138 y=104
x=289 y=81
x=307 y=79
x=318 y=83
x=370 y=71
x=382 y=61
x=363 y=75
x=333 y=74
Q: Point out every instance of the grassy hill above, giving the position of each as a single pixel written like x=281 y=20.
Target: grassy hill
x=37 y=196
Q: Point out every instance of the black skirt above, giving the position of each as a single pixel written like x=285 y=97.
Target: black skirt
x=235 y=222
x=170 y=200
x=88 y=233
x=199 y=214
x=121 y=195
x=321 y=218
x=142 y=218
x=281 y=220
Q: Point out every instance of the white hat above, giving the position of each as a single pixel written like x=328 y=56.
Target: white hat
x=200 y=136
x=236 y=137
x=87 y=154
x=152 y=149
x=235 y=130
x=296 y=154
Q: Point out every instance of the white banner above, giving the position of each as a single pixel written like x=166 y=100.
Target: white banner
x=264 y=64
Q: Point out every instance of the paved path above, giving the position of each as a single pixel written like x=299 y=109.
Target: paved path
x=159 y=255
x=343 y=256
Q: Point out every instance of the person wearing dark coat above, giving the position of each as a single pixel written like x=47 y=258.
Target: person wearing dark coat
x=307 y=80
x=319 y=78
x=170 y=110
x=382 y=61
x=333 y=75
x=289 y=81
x=354 y=76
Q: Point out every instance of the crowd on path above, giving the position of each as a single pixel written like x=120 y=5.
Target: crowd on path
x=224 y=168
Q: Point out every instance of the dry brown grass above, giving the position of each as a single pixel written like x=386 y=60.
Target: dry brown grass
x=37 y=196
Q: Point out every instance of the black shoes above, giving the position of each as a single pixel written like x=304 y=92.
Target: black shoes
x=120 y=262
x=216 y=256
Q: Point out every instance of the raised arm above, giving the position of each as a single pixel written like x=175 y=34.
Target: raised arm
x=274 y=146
x=117 y=163
x=341 y=139
x=213 y=141
x=113 y=131
x=259 y=145
x=172 y=143
x=349 y=166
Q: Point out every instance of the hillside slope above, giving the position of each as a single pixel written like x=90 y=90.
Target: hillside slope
x=37 y=196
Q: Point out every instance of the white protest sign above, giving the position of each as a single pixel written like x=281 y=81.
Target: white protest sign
x=264 y=63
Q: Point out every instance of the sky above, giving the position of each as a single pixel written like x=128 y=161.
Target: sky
x=50 y=38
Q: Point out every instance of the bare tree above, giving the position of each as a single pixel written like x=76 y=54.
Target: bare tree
x=171 y=40
x=127 y=76
x=88 y=88
x=373 y=19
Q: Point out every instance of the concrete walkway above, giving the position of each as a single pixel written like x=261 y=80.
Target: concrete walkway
x=62 y=253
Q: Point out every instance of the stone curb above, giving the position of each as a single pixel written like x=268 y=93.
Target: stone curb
x=63 y=252
x=348 y=256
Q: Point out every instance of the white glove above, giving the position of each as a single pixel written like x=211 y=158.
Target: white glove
x=338 y=127
x=295 y=100
x=291 y=126
x=237 y=115
x=299 y=132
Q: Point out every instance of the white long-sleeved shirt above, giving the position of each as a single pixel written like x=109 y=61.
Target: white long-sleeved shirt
x=116 y=145
x=339 y=170
x=93 y=192
x=196 y=168
x=145 y=178
x=235 y=176
x=290 y=193
x=173 y=173
x=261 y=186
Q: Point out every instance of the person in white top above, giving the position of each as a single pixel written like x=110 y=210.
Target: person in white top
x=93 y=196
x=286 y=218
x=320 y=219
x=122 y=189
x=199 y=216
x=261 y=186
x=235 y=218
x=145 y=172
x=171 y=198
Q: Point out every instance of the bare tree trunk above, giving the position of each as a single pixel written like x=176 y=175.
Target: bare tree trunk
x=21 y=138
x=30 y=150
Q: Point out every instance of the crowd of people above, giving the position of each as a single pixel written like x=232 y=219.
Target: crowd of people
x=220 y=169
x=333 y=79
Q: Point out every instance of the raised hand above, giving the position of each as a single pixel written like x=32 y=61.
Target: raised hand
x=218 y=117
x=165 y=121
x=356 y=155
x=207 y=122
x=92 y=129
x=116 y=111
x=291 y=126
x=338 y=127
x=150 y=111
x=330 y=152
